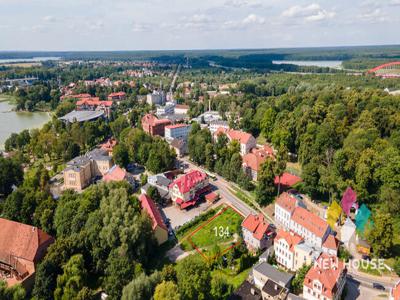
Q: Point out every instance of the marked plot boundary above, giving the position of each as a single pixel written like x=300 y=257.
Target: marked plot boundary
x=201 y=226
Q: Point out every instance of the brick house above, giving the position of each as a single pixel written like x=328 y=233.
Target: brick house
x=246 y=140
x=253 y=160
x=154 y=126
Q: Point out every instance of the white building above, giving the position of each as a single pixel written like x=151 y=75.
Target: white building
x=257 y=232
x=284 y=245
x=156 y=98
x=177 y=131
x=284 y=208
x=246 y=140
x=214 y=125
x=167 y=109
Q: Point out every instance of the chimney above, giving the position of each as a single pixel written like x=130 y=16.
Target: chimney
x=276 y=287
x=252 y=291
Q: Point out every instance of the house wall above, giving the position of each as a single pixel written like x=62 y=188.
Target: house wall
x=315 y=292
x=283 y=254
x=161 y=235
x=282 y=216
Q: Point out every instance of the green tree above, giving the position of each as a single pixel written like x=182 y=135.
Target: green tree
x=193 y=278
x=70 y=283
x=280 y=165
x=381 y=235
x=141 y=287
x=121 y=155
x=220 y=288
x=10 y=174
x=298 y=280
x=265 y=190
x=17 y=292
x=167 y=290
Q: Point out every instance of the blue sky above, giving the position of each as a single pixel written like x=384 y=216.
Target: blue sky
x=195 y=24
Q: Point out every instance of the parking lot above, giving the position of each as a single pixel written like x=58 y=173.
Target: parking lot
x=179 y=217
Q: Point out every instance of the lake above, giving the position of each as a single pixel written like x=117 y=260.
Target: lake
x=15 y=122
x=336 y=64
x=34 y=59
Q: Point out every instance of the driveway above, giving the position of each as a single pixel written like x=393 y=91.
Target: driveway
x=179 y=217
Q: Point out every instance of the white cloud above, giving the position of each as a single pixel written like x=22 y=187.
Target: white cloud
x=49 y=19
x=373 y=16
x=140 y=27
x=394 y=2
x=242 y=3
x=97 y=25
x=309 y=13
x=250 y=20
x=199 y=21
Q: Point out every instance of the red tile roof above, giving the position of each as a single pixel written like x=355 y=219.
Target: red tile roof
x=93 y=101
x=22 y=241
x=150 y=207
x=109 y=145
x=291 y=238
x=237 y=135
x=117 y=94
x=256 y=224
x=257 y=157
x=311 y=222
x=287 y=202
x=189 y=181
x=114 y=174
x=153 y=120
x=182 y=106
x=327 y=270
x=395 y=293
x=288 y=179
x=331 y=242
x=78 y=96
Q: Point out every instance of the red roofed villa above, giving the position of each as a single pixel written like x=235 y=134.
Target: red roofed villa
x=326 y=279
x=257 y=232
x=159 y=228
x=252 y=161
x=21 y=249
x=246 y=140
x=118 y=174
x=187 y=189
x=118 y=96
x=154 y=126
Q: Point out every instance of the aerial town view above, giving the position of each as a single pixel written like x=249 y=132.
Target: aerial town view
x=199 y=150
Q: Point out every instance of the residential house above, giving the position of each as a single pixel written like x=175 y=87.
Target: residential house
x=274 y=284
x=22 y=247
x=246 y=140
x=81 y=171
x=305 y=254
x=257 y=232
x=395 y=292
x=287 y=181
x=253 y=160
x=311 y=227
x=160 y=182
x=94 y=104
x=118 y=96
x=284 y=248
x=159 y=228
x=214 y=125
x=177 y=131
x=331 y=245
x=180 y=146
x=325 y=280
x=186 y=190
x=154 y=126
x=156 y=98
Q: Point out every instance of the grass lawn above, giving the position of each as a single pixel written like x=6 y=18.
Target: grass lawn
x=235 y=279
x=8 y=98
x=368 y=269
x=261 y=140
x=221 y=229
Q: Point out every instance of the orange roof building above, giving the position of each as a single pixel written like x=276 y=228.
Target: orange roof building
x=284 y=246
x=287 y=180
x=253 y=160
x=257 y=232
x=395 y=292
x=246 y=140
x=154 y=126
x=326 y=279
x=159 y=228
x=285 y=205
x=118 y=96
x=21 y=249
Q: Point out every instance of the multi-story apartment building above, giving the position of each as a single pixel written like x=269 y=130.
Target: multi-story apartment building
x=156 y=98
x=177 y=131
x=311 y=227
x=284 y=248
x=80 y=171
x=284 y=208
x=258 y=234
x=325 y=280
x=185 y=190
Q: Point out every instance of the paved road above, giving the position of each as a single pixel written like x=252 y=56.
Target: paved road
x=356 y=290
x=223 y=187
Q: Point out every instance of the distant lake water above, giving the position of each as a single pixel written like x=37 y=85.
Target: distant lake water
x=15 y=122
x=34 y=59
x=317 y=63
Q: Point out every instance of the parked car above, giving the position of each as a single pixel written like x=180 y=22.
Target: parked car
x=378 y=286
x=366 y=257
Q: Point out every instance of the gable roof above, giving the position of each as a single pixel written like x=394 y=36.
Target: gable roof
x=152 y=120
x=257 y=157
x=272 y=273
x=237 y=135
x=327 y=270
x=22 y=241
x=117 y=94
x=93 y=101
x=256 y=224
x=150 y=207
x=310 y=221
x=188 y=181
x=287 y=202
x=114 y=174
x=331 y=242
x=287 y=180
x=291 y=238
